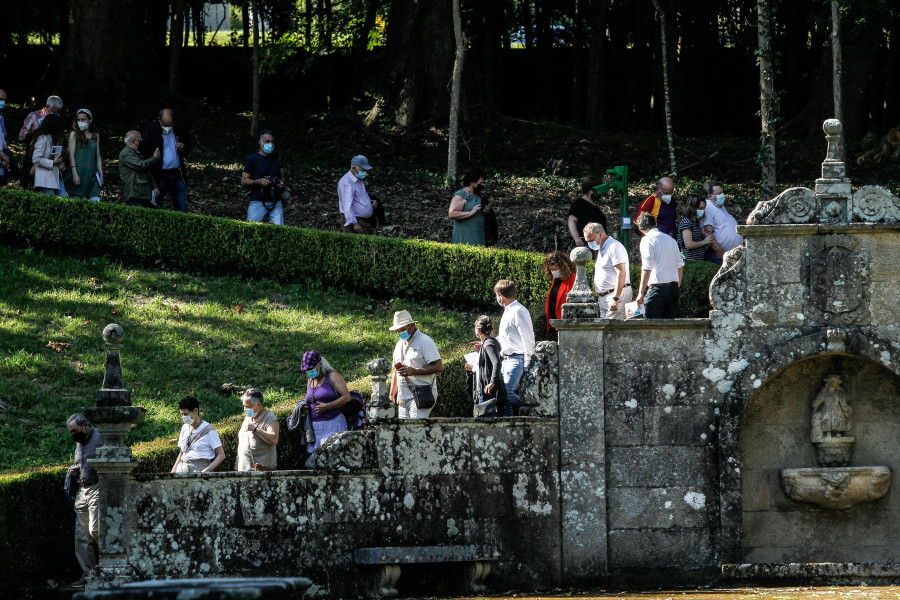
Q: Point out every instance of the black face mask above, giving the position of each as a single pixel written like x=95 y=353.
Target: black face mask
x=478 y=189
x=80 y=437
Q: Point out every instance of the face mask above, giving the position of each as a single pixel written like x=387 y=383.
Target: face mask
x=269 y=147
x=720 y=199
x=250 y=412
x=478 y=189
x=312 y=374
x=667 y=198
x=403 y=335
x=593 y=245
x=361 y=174
x=166 y=130
x=187 y=419
x=80 y=437
x=83 y=125
x=555 y=274
x=700 y=213
x=2 y=104
x=499 y=301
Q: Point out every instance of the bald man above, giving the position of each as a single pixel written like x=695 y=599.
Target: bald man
x=138 y=185
x=171 y=140
x=661 y=204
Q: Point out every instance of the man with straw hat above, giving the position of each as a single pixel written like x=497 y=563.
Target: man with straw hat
x=416 y=363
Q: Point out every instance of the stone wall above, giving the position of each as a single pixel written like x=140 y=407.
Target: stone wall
x=412 y=483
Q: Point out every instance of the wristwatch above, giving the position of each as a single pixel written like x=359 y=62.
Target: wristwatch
x=615 y=298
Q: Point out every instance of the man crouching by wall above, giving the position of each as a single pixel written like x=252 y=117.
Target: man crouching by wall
x=87 y=500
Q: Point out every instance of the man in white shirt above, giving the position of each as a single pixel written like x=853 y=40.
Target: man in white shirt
x=723 y=224
x=612 y=279
x=361 y=213
x=417 y=362
x=661 y=268
x=516 y=337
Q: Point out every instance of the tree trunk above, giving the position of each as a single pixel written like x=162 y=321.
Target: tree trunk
x=836 y=68
x=460 y=38
x=245 y=22
x=176 y=40
x=670 y=136
x=767 y=100
x=596 y=120
x=419 y=59
x=101 y=65
x=254 y=119
x=361 y=42
x=307 y=25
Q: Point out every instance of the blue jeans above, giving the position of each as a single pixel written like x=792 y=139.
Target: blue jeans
x=256 y=212
x=171 y=182
x=511 y=369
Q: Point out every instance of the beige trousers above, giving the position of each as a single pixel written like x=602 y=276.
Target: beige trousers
x=606 y=301
x=87 y=526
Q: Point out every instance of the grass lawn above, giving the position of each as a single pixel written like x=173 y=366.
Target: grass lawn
x=184 y=334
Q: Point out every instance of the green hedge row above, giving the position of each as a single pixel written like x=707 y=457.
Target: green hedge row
x=454 y=274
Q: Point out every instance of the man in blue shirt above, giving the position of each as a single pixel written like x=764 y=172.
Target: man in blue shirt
x=264 y=176
x=174 y=145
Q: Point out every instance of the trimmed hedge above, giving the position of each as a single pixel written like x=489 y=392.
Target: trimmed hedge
x=456 y=274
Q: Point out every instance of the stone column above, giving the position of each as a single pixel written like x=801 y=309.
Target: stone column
x=380 y=406
x=113 y=417
x=582 y=432
x=833 y=200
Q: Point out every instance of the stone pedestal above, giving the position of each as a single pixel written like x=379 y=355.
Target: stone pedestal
x=380 y=406
x=833 y=200
x=580 y=303
x=113 y=417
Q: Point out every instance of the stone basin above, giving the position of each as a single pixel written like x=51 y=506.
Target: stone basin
x=836 y=488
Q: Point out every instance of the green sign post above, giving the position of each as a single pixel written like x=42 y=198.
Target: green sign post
x=618 y=182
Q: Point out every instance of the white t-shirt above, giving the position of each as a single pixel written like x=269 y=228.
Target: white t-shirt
x=419 y=351
x=724 y=224
x=660 y=255
x=205 y=447
x=612 y=253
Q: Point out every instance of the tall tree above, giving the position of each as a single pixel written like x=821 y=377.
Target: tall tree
x=176 y=37
x=254 y=117
x=670 y=136
x=456 y=84
x=596 y=118
x=768 y=99
x=836 y=68
x=104 y=60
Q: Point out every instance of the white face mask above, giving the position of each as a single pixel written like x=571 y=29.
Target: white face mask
x=555 y=274
x=720 y=199
x=499 y=301
x=187 y=419
x=166 y=129
x=83 y=125
x=250 y=412
x=666 y=198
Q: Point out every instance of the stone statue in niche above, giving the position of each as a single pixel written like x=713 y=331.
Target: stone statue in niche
x=831 y=411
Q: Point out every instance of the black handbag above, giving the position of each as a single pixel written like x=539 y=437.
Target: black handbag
x=488 y=408
x=423 y=395
x=491 y=229
x=70 y=489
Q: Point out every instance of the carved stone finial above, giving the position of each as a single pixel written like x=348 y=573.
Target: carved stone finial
x=833 y=188
x=581 y=294
x=378 y=367
x=113 y=392
x=113 y=333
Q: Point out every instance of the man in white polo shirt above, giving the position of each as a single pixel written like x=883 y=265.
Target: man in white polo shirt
x=661 y=269
x=612 y=279
x=516 y=337
x=417 y=362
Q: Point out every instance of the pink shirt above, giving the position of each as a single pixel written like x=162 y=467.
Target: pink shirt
x=33 y=121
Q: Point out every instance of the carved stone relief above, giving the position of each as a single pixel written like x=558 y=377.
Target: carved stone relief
x=540 y=382
x=874 y=204
x=345 y=451
x=727 y=290
x=794 y=205
x=836 y=270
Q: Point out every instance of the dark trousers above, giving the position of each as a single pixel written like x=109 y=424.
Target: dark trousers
x=172 y=184
x=661 y=301
x=12 y=171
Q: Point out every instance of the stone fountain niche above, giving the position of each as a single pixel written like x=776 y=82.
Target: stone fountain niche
x=834 y=484
x=819 y=441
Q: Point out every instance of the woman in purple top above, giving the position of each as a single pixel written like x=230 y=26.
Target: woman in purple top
x=326 y=393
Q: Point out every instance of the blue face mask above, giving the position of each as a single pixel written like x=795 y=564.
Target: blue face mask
x=403 y=335
x=361 y=175
x=593 y=245
x=312 y=374
x=269 y=147
x=720 y=199
x=250 y=412
x=2 y=104
x=700 y=213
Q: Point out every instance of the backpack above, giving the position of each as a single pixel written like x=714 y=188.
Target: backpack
x=354 y=411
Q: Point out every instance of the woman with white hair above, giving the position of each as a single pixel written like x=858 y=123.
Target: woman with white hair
x=326 y=393
x=258 y=435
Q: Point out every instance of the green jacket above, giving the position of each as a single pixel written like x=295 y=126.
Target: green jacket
x=134 y=169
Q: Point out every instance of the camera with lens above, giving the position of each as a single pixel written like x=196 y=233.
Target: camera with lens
x=278 y=190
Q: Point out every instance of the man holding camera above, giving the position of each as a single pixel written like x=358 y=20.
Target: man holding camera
x=264 y=175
